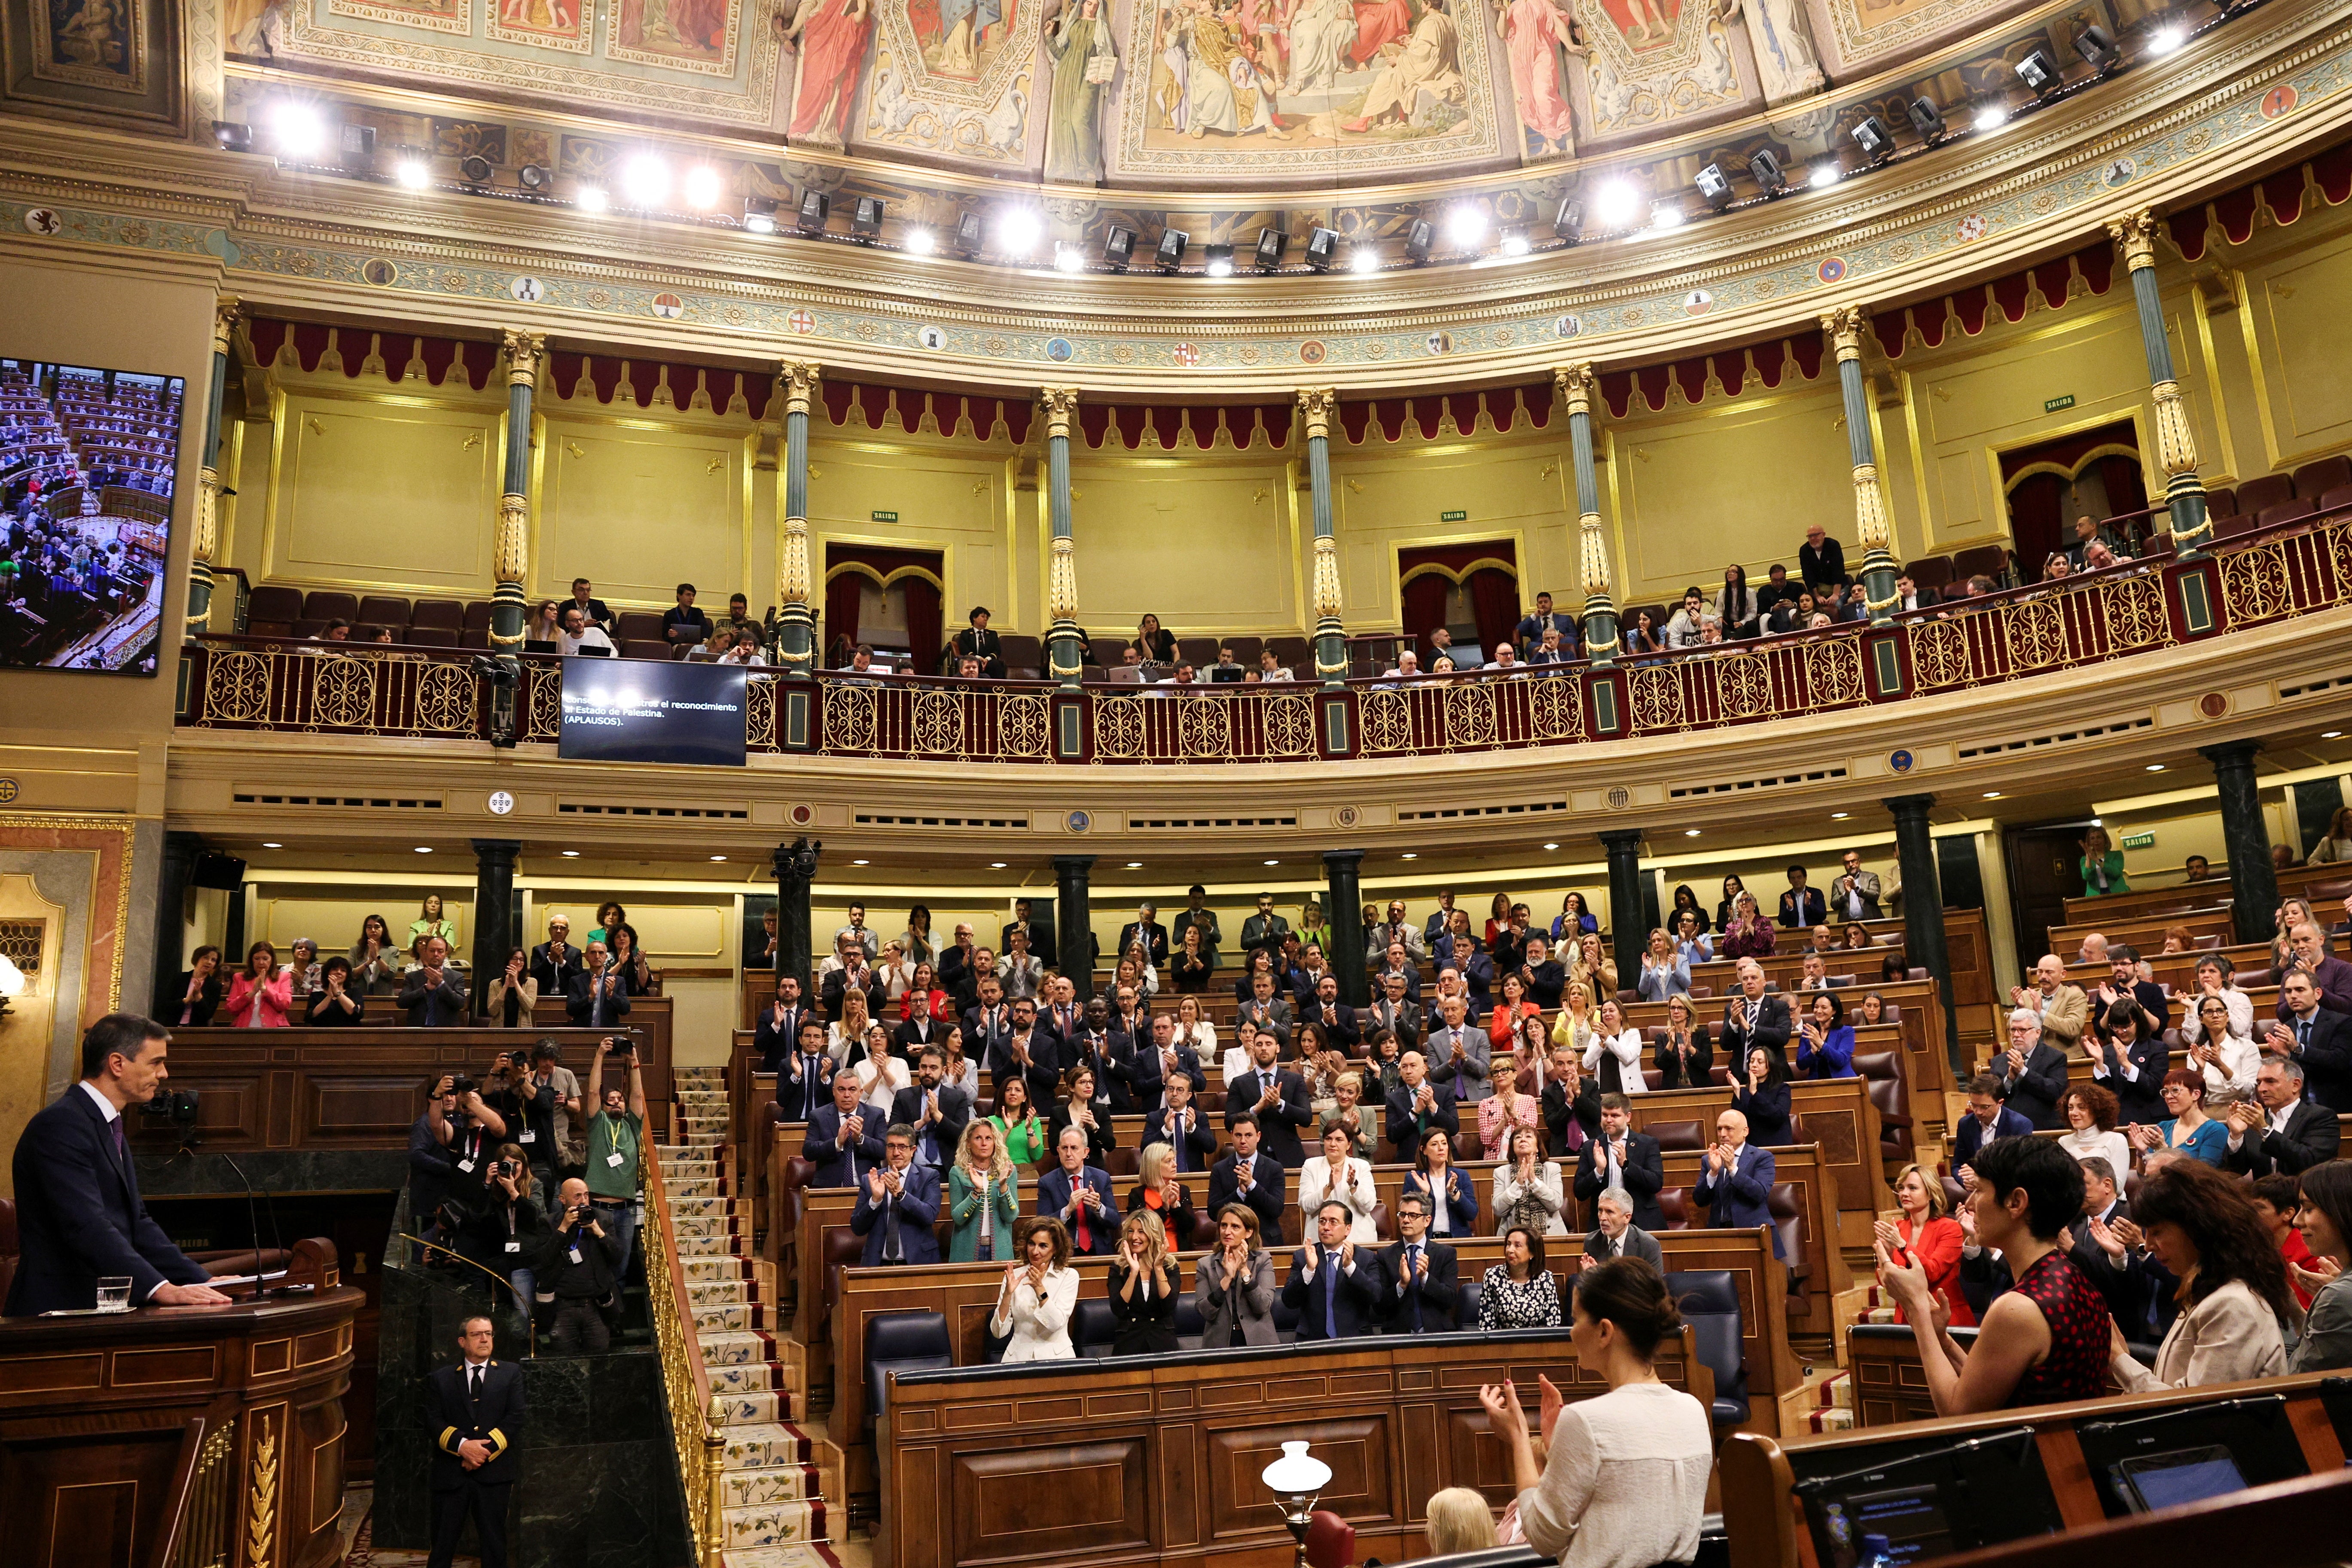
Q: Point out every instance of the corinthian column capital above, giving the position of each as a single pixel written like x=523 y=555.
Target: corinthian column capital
x=226 y=311
x=524 y=353
x=2134 y=233
x=799 y=378
x=1315 y=406
x=1845 y=325
x=1574 y=385
x=1061 y=405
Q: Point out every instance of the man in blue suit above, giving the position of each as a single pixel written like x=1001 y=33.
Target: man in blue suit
x=845 y=1140
x=1737 y=1180
x=1987 y=1119
x=898 y=1205
x=1335 y=1285
x=78 y=1214
x=1417 y=1105
x=1079 y=1195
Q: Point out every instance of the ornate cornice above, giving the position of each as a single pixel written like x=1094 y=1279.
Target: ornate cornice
x=2266 y=86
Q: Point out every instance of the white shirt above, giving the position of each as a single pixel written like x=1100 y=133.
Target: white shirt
x=105 y=1106
x=1279 y=672
x=593 y=637
x=1316 y=1186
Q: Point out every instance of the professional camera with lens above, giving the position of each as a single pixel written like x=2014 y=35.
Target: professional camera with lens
x=462 y=1086
x=620 y=1044
x=175 y=1105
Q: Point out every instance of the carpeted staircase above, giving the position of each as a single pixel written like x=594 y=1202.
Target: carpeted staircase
x=775 y=1511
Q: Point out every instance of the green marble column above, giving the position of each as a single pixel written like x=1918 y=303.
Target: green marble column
x=1600 y=614
x=1844 y=327
x=2246 y=838
x=1922 y=911
x=2176 y=444
x=795 y=622
x=1316 y=406
x=208 y=485
x=525 y=351
x=1066 y=644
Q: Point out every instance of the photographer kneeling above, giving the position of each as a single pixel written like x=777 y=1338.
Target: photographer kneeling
x=504 y=1231
x=577 y=1272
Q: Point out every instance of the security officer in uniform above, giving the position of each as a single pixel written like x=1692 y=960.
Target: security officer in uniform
x=476 y=1414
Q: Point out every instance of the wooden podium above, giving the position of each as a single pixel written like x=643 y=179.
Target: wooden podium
x=176 y=1436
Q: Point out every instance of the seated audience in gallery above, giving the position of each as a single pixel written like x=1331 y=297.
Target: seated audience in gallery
x=259 y=997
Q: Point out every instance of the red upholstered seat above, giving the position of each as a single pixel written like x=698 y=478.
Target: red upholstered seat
x=2268 y=489
x=2314 y=479
x=2285 y=512
x=477 y=615
x=377 y=610
x=1983 y=560
x=1930 y=570
x=326 y=607
x=431 y=636
x=645 y=647
x=637 y=626
x=437 y=614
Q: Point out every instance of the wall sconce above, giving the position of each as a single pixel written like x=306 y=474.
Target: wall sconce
x=12 y=984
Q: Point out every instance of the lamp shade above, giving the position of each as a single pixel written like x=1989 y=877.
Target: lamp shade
x=1296 y=1473
x=12 y=984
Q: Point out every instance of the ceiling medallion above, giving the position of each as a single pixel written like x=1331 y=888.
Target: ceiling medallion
x=1346 y=816
x=931 y=337
x=1440 y=342
x=2213 y=704
x=1697 y=302
x=2281 y=101
x=1187 y=355
x=1619 y=797
x=1832 y=270
x=1312 y=353
x=668 y=307
x=530 y=290
x=801 y=321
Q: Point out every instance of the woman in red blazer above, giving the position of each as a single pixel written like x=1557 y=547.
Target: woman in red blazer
x=1503 y=1023
x=1923 y=1233
x=258 y=995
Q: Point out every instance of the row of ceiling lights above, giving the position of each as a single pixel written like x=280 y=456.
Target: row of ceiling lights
x=647 y=182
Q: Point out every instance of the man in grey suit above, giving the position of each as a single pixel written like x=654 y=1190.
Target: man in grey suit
x=1459 y=1056
x=1618 y=1236
x=1854 y=892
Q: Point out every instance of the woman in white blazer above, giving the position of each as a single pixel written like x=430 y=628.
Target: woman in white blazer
x=1337 y=1176
x=2220 y=1044
x=1614 y=1041
x=2201 y=1225
x=1040 y=1292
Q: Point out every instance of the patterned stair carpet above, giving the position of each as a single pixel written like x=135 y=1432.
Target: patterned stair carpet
x=775 y=1513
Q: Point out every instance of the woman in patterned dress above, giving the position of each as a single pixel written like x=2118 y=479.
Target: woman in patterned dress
x=1520 y=1292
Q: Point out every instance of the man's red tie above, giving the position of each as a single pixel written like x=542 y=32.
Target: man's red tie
x=1086 y=1236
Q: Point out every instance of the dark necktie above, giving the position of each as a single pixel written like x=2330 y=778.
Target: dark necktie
x=2302 y=1038
x=891 y=1252
x=475 y=1394
x=122 y=1143
x=1331 y=1295
x=1412 y=1282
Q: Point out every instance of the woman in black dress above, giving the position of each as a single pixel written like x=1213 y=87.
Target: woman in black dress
x=201 y=989
x=1760 y=1093
x=1143 y=1280
x=337 y=1002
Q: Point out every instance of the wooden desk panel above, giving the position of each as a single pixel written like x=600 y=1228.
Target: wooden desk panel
x=965 y=1294
x=1158 y=1462
x=339 y=1088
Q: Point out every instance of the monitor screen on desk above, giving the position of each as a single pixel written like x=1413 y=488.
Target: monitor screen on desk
x=2181 y=1476
x=1927 y=1498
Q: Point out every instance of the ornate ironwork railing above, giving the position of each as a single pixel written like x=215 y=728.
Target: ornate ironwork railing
x=244 y=683
x=700 y=1442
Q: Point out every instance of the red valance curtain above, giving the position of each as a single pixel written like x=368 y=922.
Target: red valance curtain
x=2034 y=524
x=1495 y=605
x=1424 y=607
x=922 y=622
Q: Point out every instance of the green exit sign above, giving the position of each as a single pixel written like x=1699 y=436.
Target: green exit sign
x=2139 y=840
x=2053 y=404
x=1452 y=517
x=886 y=517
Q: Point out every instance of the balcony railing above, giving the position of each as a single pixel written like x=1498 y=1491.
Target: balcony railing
x=310 y=687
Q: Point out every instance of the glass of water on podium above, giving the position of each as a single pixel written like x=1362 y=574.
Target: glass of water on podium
x=114 y=1293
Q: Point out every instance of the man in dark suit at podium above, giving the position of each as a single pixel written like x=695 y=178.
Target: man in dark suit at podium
x=78 y=1216
x=475 y=1413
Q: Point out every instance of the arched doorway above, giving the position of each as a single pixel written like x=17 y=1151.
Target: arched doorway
x=1471 y=590
x=890 y=598
x=2091 y=473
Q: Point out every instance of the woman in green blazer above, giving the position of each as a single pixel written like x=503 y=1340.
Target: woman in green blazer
x=2102 y=867
x=1020 y=1130
x=983 y=1197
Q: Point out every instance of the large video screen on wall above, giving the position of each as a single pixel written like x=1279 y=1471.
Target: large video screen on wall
x=87 y=459
x=652 y=710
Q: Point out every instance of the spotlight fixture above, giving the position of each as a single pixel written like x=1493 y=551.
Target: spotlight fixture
x=967 y=234
x=1714 y=186
x=1363 y=256
x=2039 y=70
x=703 y=188
x=1614 y=205
x=1118 y=247
x=644 y=181
x=1271 y=244
x=536 y=177
x=1418 y=240
x=1990 y=116
x=413 y=173
x=296 y=131
x=1465 y=227
x=1018 y=231
x=474 y=169
x=1770 y=178
x=1927 y=119
x=1825 y=173
x=358 y=143
x=815 y=207
x=2097 y=48
x=865 y=218
x=232 y=135
x=760 y=215
x=1569 y=222
x=590 y=198
x=1322 y=249
x=1877 y=142
x=1666 y=215
x=2164 y=40
x=1170 y=254
x=1069 y=257
x=1220 y=259
x=1515 y=242
x=920 y=240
